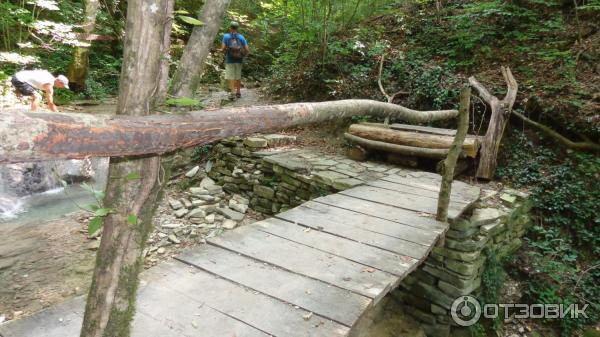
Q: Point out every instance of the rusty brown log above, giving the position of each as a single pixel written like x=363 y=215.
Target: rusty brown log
x=41 y=136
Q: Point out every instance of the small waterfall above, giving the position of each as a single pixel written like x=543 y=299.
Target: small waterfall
x=26 y=186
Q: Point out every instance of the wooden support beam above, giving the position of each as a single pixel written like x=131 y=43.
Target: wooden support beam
x=411 y=138
x=42 y=136
x=399 y=149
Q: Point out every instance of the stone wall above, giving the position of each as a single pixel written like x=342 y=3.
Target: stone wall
x=454 y=268
x=275 y=176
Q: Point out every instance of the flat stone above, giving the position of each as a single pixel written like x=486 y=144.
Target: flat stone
x=93 y=245
x=207 y=198
x=208 y=208
x=207 y=182
x=198 y=191
x=175 y=204
x=279 y=140
x=264 y=191
x=239 y=207
x=329 y=177
x=214 y=189
x=230 y=214
x=192 y=173
x=255 y=142
x=197 y=203
x=180 y=213
x=161 y=250
x=174 y=239
x=241 y=200
x=456 y=291
x=508 y=199
x=171 y=226
x=197 y=213
x=229 y=224
x=493 y=228
x=484 y=216
x=210 y=219
x=346 y=183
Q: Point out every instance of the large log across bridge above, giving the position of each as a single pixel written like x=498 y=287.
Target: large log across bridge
x=43 y=136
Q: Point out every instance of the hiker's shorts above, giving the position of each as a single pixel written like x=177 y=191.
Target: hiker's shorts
x=23 y=88
x=233 y=71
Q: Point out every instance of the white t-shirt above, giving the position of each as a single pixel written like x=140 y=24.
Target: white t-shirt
x=36 y=78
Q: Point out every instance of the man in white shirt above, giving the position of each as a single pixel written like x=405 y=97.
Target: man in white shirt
x=27 y=81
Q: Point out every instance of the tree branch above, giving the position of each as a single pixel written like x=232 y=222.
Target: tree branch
x=40 y=136
x=583 y=146
x=483 y=92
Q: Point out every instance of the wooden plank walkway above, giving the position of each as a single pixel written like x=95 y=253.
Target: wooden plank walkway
x=310 y=271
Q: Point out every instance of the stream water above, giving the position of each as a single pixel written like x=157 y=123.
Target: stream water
x=18 y=206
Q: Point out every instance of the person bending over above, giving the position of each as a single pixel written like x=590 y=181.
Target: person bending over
x=236 y=49
x=27 y=81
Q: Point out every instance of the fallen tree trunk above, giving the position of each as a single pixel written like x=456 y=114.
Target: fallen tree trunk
x=399 y=149
x=40 y=136
x=413 y=139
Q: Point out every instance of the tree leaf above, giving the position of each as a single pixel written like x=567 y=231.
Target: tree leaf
x=132 y=219
x=190 y=20
x=102 y=212
x=91 y=207
x=94 y=225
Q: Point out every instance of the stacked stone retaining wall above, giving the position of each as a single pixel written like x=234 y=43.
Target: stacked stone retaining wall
x=454 y=268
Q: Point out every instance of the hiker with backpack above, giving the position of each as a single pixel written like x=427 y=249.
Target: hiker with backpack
x=236 y=48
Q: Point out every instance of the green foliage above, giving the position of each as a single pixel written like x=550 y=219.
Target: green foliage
x=565 y=246
x=492 y=278
x=190 y=20
x=201 y=152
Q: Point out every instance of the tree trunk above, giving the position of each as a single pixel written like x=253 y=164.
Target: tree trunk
x=111 y=301
x=165 y=62
x=414 y=139
x=78 y=68
x=449 y=164
x=501 y=110
x=398 y=149
x=189 y=73
x=41 y=136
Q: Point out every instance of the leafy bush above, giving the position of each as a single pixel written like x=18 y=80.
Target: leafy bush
x=564 y=247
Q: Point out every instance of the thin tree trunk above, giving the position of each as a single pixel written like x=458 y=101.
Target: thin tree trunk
x=39 y=136
x=165 y=61
x=501 y=110
x=111 y=301
x=189 y=73
x=78 y=68
x=449 y=164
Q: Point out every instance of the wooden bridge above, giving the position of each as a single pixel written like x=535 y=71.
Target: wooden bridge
x=310 y=271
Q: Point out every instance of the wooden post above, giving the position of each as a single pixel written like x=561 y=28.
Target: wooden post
x=449 y=163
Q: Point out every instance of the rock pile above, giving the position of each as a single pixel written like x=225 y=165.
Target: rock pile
x=199 y=213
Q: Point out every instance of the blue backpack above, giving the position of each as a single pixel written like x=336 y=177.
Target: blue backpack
x=235 y=48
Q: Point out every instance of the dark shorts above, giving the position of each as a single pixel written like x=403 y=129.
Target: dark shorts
x=23 y=88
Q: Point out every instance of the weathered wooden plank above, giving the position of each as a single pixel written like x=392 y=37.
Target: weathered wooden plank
x=65 y=319
x=253 y=308
x=62 y=320
x=431 y=182
x=456 y=196
x=360 y=227
x=185 y=316
x=403 y=200
x=307 y=261
x=423 y=129
x=372 y=257
x=307 y=293
x=399 y=215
